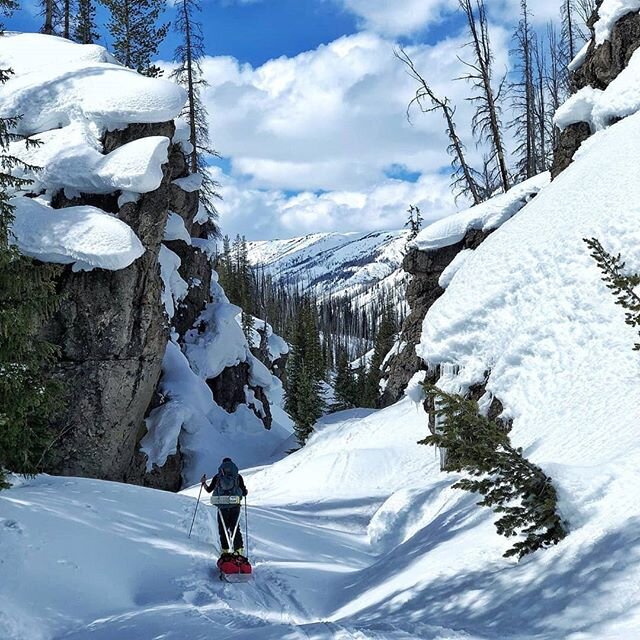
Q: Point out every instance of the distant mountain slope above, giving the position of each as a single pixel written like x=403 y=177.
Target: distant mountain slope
x=337 y=263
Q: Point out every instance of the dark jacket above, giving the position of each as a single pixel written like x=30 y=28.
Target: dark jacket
x=214 y=482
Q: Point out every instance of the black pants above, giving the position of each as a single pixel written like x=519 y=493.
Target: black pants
x=231 y=516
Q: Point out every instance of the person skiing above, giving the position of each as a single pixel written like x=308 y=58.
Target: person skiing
x=228 y=482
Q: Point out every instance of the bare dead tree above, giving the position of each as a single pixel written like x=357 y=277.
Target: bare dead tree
x=486 y=123
x=584 y=9
x=556 y=86
x=540 y=102
x=569 y=26
x=523 y=97
x=463 y=176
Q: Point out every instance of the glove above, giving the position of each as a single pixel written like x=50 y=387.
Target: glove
x=203 y=480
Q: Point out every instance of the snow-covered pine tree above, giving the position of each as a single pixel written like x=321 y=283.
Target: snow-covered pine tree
x=85 y=29
x=512 y=486
x=133 y=25
x=28 y=397
x=463 y=176
x=486 y=123
x=188 y=74
x=623 y=285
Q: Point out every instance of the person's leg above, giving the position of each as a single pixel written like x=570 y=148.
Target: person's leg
x=234 y=517
x=224 y=544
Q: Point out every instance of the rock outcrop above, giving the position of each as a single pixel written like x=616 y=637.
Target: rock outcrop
x=112 y=330
x=425 y=267
x=602 y=64
x=112 y=333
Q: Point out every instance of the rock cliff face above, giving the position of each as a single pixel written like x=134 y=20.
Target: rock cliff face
x=602 y=64
x=423 y=290
x=112 y=334
x=113 y=330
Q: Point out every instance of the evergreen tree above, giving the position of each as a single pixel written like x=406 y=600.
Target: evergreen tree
x=189 y=74
x=621 y=284
x=514 y=487
x=414 y=223
x=385 y=339
x=53 y=13
x=28 y=397
x=86 y=30
x=305 y=375
x=344 y=384
x=136 y=35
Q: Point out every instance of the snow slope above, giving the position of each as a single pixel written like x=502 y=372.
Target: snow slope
x=358 y=535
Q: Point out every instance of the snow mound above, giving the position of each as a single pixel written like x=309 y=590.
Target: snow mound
x=69 y=158
x=53 y=96
x=84 y=236
x=599 y=108
x=610 y=11
x=453 y=267
x=190 y=417
x=175 y=229
x=27 y=52
x=486 y=216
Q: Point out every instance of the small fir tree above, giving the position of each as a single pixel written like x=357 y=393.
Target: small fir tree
x=345 y=384
x=305 y=374
x=385 y=339
x=135 y=31
x=28 y=396
x=512 y=486
x=188 y=74
x=414 y=222
x=621 y=284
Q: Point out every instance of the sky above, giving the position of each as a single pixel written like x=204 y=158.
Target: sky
x=307 y=108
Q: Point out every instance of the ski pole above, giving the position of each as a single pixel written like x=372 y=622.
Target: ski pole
x=196 y=511
x=246 y=526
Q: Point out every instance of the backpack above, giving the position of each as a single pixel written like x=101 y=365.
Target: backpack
x=228 y=483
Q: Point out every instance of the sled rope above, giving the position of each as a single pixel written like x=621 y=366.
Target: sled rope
x=226 y=530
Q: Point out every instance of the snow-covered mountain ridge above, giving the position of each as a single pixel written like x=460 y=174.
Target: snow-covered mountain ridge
x=335 y=264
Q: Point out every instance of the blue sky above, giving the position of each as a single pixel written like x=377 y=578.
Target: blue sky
x=307 y=108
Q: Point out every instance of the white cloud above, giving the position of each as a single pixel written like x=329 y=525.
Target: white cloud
x=334 y=118
x=407 y=17
x=398 y=17
x=265 y=214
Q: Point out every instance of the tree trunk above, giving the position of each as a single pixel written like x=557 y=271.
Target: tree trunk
x=193 y=134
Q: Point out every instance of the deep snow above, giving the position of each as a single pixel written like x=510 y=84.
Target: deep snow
x=358 y=535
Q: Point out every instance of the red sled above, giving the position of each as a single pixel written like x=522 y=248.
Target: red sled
x=234 y=568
